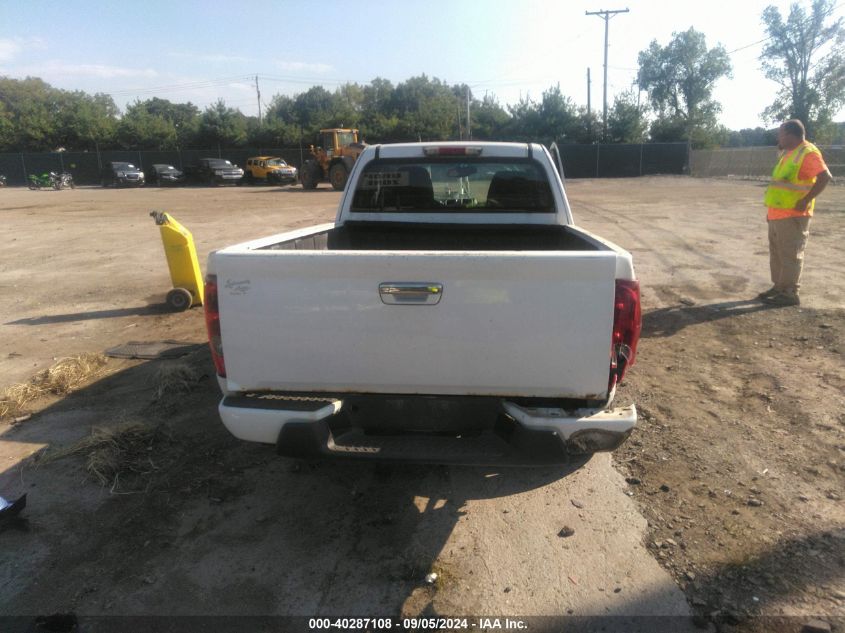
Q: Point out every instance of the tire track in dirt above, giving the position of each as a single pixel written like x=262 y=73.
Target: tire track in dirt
x=676 y=241
x=730 y=284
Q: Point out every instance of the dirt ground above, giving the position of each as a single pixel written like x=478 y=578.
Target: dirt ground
x=734 y=475
x=739 y=461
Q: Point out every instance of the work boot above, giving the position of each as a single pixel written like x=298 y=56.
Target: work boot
x=783 y=299
x=771 y=292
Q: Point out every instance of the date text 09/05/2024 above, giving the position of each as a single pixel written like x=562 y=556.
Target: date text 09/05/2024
x=415 y=624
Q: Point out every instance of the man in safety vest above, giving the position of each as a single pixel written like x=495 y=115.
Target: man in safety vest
x=799 y=176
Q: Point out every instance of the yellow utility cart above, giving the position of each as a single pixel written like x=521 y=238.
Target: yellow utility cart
x=182 y=260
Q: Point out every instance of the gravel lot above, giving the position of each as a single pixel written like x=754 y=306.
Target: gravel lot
x=739 y=403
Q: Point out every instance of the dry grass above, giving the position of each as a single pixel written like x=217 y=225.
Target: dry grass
x=125 y=450
x=174 y=378
x=62 y=378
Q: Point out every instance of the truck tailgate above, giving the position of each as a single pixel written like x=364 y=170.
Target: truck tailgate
x=505 y=323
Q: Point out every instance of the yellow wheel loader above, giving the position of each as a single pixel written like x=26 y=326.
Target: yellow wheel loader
x=332 y=160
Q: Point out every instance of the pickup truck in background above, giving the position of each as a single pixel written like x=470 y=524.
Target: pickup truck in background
x=453 y=313
x=214 y=171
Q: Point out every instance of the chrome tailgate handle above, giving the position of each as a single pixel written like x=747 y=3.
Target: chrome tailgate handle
x=410 y=293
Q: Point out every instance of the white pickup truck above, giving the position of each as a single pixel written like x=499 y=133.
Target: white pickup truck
x=452 y=314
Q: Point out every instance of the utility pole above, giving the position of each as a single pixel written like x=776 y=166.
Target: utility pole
x=258 y=96
x=469 y=127
x=605 y=15
x=589 y=106
x=460 y=123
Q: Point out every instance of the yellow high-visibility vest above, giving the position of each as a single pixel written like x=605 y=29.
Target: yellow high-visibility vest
x=786 y=189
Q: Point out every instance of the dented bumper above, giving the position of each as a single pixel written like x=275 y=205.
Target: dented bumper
x=583 y=430
x=515 y=435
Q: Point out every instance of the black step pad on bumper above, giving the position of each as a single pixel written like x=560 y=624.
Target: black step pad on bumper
x=507 y=444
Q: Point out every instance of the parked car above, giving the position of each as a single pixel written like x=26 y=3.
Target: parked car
x=269 y=169
x=161 y=175
x=453 y=313
x=119 y=173
x=214 y=171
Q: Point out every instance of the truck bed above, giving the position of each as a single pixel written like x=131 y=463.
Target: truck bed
x=427 y=237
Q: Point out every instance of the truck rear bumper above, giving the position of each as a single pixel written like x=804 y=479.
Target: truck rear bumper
x=318 y=427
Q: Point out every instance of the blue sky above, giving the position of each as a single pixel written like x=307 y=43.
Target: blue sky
x=186 y=50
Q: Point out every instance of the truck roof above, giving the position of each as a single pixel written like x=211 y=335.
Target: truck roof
x=488 y=148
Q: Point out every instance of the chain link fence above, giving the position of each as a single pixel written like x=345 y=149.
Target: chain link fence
x=624 y=160
x=87 y=167
x=753 y=163
x=579 y=161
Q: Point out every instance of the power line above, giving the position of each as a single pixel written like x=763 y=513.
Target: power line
x=742 y=48
x=766 y=39
x=306 y=80
x=211 y=83
x=605 y=15
x=205 y=83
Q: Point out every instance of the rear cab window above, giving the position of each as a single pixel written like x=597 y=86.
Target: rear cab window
x=453 y=183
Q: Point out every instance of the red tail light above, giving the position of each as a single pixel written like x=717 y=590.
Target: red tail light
x=627 y=322
x=212 y=324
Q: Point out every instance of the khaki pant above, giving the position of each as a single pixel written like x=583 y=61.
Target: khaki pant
x=787 y=241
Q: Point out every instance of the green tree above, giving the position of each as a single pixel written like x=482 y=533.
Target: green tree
x=184 y=117
x=43 y=118
x=426 y=109
x=314 y=109
x=31 y=105
x=281 y=111
x=524 y=124
x=7 y=129
x=140 y=129
x=553 y=118
x=377 y=96
x=274 y=132
x=589 y=127
x=85 y=121
x=558 y=117
x=679 y=78
x=668 y=129
x=752 y=137
x=348 y=105
x=489 y=120
x=378 y=122
x=222 y=125
x=626 y=121
x=805 y=55
x=379 y=128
